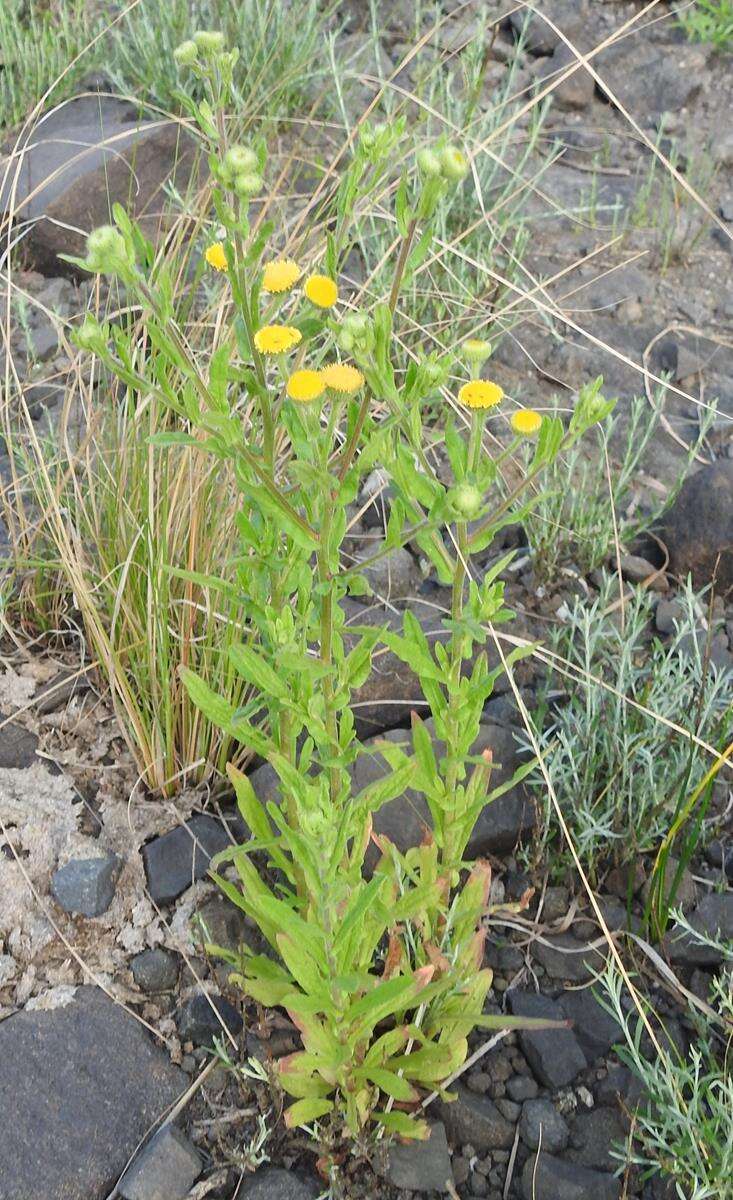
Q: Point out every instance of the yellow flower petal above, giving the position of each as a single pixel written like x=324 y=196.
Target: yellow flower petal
x=277 y=339
x=321 y=290
x=216 y=257
x=280 y=275
x=526 y=422
x=341 y=377
x=305 y=386
x=480 y=393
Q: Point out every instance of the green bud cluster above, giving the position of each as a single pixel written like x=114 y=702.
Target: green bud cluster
x=239 y=171
x=466 y=500
x=107 y=252
x=91 y=335
x=447 y=163
x=355 y=335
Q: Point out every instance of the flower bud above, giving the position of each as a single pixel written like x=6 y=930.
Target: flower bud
x=106 y=251
x=241 y=160
x=90 y=334
x=454 y=163
x=429 y=163
x=433 y=372
x=476 y=350
x=186 y=54
x=466 y=500
x=247 y=184
x=209 y=41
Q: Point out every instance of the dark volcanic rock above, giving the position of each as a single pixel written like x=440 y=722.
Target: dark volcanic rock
x=272 y=1183
x=595 y=1029
x=155 y=970
x=166 y=1169
x=554 y=1055
x=86 y=885
x=174 y=860
x=541 y=1123
x=698 y=529
x=564 y=958
x=714 y=917
x=594 y=1135
x=549 y=1178
x=84 y=1083
x=82 y=158
x=649 y=80
x=421 y=1166
x=476 y=1121
x=198 y=1021
x=17 y=747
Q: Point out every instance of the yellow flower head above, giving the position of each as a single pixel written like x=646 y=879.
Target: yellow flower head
x=280 y=275
x=480 y=393
x=321 y=291
x=526 y=422
x=341 y=377
x=216 y=257
x=276 y=339
x=305 y=386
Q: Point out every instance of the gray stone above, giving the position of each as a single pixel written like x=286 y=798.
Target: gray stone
x=553 y=1054
x=86 y=885
x=166 y=1169
x=84 y=1084
x=564 y=958
x=539 y=38
x=698 y=529
x=199 y=1023
x=174 y=860
x=221 y=923
x=476 y=1121
x=595 y=1134
x=647 y=79
x=541 y=1124
x=273 y=1183
x=636 y=569
x=78 y=161
x=714 y=917
x=17 y=747
x=509 y=1109
x=57 y=693
x=575 y=92
x=395 y=575
x=595 y=1029
x=155 y=970
x=620 y=1087
x=521 y=1087
x=421 y=1166
x=683 y=895
x=550 y=1178
x=667 y=615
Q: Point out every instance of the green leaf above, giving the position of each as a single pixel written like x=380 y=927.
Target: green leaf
x=394 y=1085
x=307 y=1110
x=403 y=1125
x=253 y=667
x=214 y=707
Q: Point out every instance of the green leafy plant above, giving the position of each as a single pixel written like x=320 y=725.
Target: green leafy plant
x=708 y=21
x=382 y=974
x=575 y=524
x=622 y=753
x=682 y=1127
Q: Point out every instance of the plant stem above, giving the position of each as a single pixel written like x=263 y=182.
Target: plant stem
x=401 y=264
